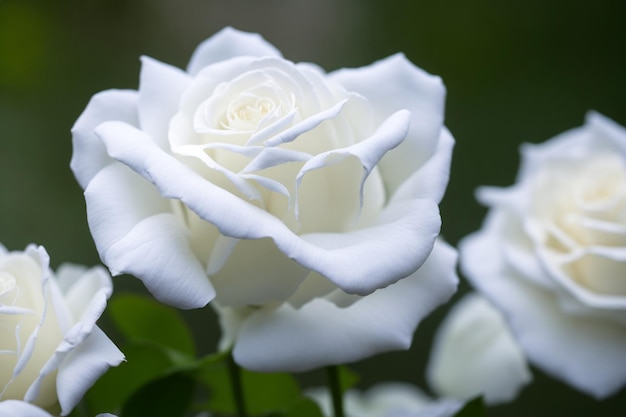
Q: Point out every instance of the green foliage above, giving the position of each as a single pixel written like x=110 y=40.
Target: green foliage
x=143 y=364
x=265 y=394
x=169 y=396
x=159 y=351
x=347 y=378
x=473 y=408
x=142 y=319
x=161 y=374
x=304 y=407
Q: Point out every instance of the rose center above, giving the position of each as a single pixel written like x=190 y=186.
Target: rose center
x=247 y=112
x=587 y=211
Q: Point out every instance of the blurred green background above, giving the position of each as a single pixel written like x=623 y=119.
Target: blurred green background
x=516 y=71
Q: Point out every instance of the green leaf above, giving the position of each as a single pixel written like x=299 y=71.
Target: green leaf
x=347 y=378
x=473 y=408
x=304 y=407
x=264 y=393
x=143 y=364
x=213 y=374
x=269 y=392
x=143 y=319
x=169 y=396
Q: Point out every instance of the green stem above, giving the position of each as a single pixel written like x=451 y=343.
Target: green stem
x=334 y=384
x=237 y=386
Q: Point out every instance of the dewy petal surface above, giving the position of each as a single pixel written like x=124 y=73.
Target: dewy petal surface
x=297 y=340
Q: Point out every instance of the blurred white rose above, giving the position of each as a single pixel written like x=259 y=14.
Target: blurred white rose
x=51 y=351
x=273 y=187
x=390 y=399
x=475 y=354
x=552 y=255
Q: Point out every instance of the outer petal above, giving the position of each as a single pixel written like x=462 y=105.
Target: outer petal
x=89 y=155
x=160 y=89
x=405 y=87
x=595 y=359
x=15 y=408
x=173 y=273
x=84 y=339
x=229 y=43
x=358 y=262
x=431 y=179
x=83 y=366
x=130 y=222
x=320 y=333
x=474 y=353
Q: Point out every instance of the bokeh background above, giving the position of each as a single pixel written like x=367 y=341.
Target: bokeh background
x=516 y=71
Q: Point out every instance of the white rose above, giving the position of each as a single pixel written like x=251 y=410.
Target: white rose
x=51 y=351
x=474 y=354
x=390 y=399
x=552 y=255
x=268 y=184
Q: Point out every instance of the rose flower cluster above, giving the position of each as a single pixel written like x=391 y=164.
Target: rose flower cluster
x=302 y=207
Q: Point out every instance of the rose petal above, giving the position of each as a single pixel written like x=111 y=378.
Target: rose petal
x=82 y=289
x=229 y=43
x=160 y=89
x=369 y=151
x=83 y=366
x=266 y=276
x=475 y=354
x=596 y=355
x=603 y=127
x=405 y=87
x=295 y=131
x=358 y=262
x=117 y=199
x=89 y=155
x=14 y=408
x=95 y=287
x=130 y=222
x=431 y=179
x=320 y=333
x=157 y=251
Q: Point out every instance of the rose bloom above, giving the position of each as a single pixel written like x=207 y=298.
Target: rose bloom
x=51 y=351
x=552 y=255
x=475 y=354
x=285 y=193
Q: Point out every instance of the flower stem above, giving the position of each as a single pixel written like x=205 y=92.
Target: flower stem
x=334 y=384
x=237 y=386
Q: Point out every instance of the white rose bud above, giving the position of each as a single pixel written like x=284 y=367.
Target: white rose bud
x=552 y=255
x=51 y=351
x=284 y=192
